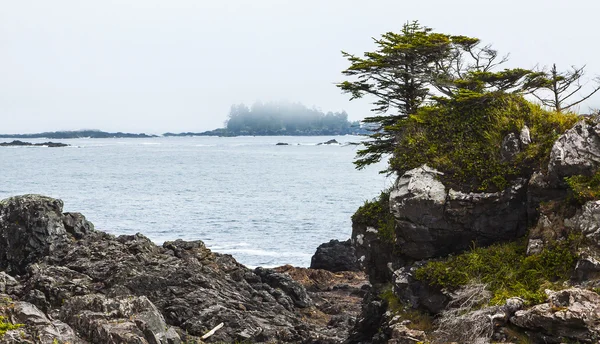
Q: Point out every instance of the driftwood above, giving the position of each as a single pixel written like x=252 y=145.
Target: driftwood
x=211 y=332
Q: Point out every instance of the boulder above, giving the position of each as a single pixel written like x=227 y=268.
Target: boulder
x=576 y=152
x=31 y=227
x=432 y=221
x=570 y=314
x=335 y=256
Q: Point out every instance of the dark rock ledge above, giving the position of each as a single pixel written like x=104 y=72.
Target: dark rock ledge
x=67 y=282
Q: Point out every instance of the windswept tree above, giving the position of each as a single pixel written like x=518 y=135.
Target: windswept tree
x=562 y=91
x=398 y=76
x=415 y=66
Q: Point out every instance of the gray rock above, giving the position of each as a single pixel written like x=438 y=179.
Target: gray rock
x=577 y=151
x=570 y=314
x=525 y=136
x=36 y=322
x=335 y=256
x=128 y=290
x=131 y=319
x=587 y=221
x=433 y=222
x=416 y=294
x=511 y=146
x=31 y=227
x=535 y=246
x=293 y=289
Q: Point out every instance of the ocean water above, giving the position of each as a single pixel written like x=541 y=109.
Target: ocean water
x=264 y=204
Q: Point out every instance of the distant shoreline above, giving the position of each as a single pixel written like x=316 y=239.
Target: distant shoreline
x=98 y=134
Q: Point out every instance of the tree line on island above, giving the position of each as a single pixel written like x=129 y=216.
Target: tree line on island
x=282 y=118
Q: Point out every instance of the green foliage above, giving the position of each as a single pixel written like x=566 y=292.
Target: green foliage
x=6 y=326
x=376 y=213
x=505 y=269
x=412 y=68
x=583 y=188
x=462 y=137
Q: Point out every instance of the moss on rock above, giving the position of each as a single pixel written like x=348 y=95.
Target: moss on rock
x=463 y=137
x=506 y=269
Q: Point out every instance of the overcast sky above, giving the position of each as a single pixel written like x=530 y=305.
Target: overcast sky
x=178 y=65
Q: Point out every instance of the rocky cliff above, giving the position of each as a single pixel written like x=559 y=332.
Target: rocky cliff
x=518 y=265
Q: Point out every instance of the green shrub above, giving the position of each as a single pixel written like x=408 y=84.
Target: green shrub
x=584 y=188
x=505 y=269
x=462 y=137
x=376 y=213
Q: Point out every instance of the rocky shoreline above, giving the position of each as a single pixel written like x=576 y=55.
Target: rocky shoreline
x=66 y=282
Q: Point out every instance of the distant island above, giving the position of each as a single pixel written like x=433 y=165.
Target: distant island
x=76 y=134
x=17 y=143
x=282 y=118
x=260 y=119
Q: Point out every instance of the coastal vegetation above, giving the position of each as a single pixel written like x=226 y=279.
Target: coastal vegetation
x=443 y=99
x=467 y=139
x=506 y=270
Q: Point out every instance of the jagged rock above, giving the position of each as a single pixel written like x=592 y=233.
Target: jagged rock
x=511 y=146
x=31 y=227
x=293 y=289
x=587 y=267
x=335 y=256
x=587 y=221
x=401 y=334
x=129 y=319
x=375 y=255
x=433 y=222
x=128 y=290
x=417 y=294
x=577 y=151
x=38 y=327
x=368 y=325
x=9 y=285
x=571 y=314
x=541 y=190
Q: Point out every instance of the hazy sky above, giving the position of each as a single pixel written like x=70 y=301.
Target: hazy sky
x=177 y=65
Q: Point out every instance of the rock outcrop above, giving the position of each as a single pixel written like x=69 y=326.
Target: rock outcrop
x=65 y=277
x=571 y=313
x=335 y=256
x=576 y=152
x=432 y=221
